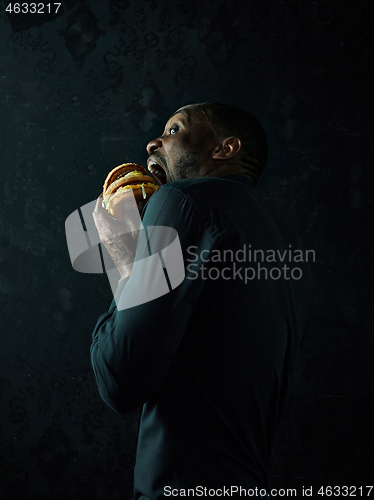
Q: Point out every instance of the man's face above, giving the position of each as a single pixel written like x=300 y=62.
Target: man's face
x=183 y=151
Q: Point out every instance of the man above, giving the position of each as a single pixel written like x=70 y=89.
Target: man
x=210 y=361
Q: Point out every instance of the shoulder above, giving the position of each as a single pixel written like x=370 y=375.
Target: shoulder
x=188 y=203
x=204 y=183
x=202 y=191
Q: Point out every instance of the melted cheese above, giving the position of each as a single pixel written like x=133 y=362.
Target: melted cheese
x=131 y=186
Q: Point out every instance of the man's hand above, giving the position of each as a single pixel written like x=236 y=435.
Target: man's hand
x=119 y=238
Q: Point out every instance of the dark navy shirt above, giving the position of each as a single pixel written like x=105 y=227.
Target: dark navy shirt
x=211 y=361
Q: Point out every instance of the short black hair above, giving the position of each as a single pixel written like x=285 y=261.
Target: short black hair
x=226 y=121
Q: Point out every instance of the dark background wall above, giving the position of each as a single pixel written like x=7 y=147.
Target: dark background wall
x=85 y=90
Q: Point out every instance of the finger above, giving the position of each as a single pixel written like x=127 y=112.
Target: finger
x=98 y=204
x=108 y=226
x=97 y=213
x=100 y=212
x=102 y=217
x=131 y=216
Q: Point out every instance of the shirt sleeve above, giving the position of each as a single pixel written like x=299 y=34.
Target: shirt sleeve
x=133 y=348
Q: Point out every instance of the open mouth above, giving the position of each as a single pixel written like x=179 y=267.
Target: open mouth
x=156 y=170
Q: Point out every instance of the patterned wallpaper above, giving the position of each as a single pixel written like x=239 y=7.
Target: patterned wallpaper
x=84 y=90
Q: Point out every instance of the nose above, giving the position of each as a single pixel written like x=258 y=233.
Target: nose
x=153 y=145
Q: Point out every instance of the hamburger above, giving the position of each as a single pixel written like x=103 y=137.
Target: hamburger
x=121 y=182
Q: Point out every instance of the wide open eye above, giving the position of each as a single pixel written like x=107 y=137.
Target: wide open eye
x=173 y=130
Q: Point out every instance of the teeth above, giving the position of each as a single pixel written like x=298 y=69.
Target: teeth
x=153 y=168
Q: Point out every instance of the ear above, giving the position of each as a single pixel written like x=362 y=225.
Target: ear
x=227 y=148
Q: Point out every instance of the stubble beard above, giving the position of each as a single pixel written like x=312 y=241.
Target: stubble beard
x=190 y=160
x=187 y=166
x=189 y=163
